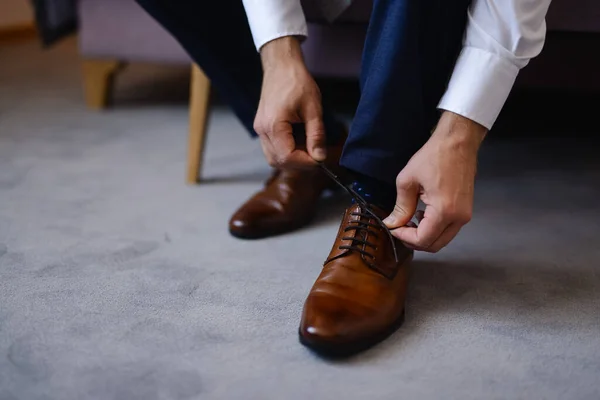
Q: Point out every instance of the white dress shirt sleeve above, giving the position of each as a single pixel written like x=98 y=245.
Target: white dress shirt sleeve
x=272 y=19
x=500 y=39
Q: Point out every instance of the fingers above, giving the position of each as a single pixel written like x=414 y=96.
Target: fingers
x=446 y=237
x=419 y=215
x=290 y=96
x=267 y=149
x=315 y=133
x=282 y=140
x=406 y=203
x=431 y=234
x=279 y=147
x=428 y=231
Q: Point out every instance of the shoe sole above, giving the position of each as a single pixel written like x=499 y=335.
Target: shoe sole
x=343 y=350
x=286 y=229
x=266 y=234
x=272 y=232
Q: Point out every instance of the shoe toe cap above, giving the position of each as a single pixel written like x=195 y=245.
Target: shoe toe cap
x=328 y=319
x=258 y=222
x=250 y=223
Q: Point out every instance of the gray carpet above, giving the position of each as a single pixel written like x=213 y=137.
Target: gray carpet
x=117 y=281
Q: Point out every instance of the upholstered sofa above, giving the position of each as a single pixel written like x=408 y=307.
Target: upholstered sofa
x=115 y=32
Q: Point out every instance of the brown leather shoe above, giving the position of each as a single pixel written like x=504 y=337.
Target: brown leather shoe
x=358 y=299
x=287 y=202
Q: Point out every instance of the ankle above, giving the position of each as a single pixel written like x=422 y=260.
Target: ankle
x=375 y=191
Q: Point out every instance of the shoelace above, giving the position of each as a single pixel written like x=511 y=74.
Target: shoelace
x=361 y=225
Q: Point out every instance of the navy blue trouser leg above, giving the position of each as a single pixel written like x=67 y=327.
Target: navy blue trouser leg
x=217 y=37
x=408 y=58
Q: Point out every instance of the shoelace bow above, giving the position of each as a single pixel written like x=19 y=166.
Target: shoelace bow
x=361 y=226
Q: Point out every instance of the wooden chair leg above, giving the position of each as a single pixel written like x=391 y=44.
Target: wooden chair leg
x=199 y=96
x=98 y=80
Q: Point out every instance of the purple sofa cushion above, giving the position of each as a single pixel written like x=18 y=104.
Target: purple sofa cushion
x=121 y=29
x=334 y=51
x=358 y=12
x=574 y=16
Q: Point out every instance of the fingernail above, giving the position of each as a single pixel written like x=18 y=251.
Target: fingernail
x=389 y=221
x=319 y=154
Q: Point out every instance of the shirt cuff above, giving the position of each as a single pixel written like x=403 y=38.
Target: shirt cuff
x=479 y=86
x=272 y=19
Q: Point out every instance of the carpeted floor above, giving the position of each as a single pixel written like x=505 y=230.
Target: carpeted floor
x=117 y=281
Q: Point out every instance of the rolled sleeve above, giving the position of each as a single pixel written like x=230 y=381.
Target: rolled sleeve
x=272 y=19
x=480 y=85
x=501 y=37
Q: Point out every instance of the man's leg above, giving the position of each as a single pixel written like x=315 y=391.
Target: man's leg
x=410 y=51
x=409 y=55
x=217 y=37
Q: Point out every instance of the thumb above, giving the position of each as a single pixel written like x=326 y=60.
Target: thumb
x=315 y=135
x=406 y=204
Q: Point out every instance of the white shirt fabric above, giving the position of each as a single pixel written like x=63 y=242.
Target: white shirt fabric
x=501 y=37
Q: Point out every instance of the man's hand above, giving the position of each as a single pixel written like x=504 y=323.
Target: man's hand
x=442 y=174
x=289 y=95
